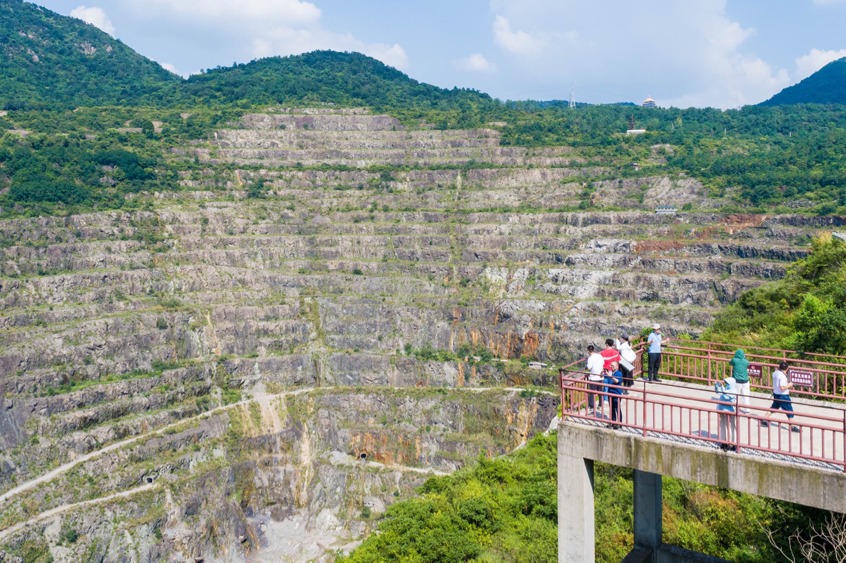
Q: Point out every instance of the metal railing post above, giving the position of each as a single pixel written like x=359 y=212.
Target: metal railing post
x=737 y=423
x=561 y=384
x=709 y=365
x=844 y=441
x=644 y=410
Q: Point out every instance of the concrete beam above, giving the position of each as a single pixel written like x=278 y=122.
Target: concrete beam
x=647 y=510
x=576 y=532
x=801 y=484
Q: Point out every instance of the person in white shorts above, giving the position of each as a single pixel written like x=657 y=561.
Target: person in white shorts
x=595 y=365
x=740 y=373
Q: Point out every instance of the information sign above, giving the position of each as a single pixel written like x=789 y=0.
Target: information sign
x=801 y=377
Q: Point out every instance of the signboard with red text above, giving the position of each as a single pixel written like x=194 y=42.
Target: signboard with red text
x=801 y=377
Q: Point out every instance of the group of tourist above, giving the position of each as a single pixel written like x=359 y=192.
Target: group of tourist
x=611 y=372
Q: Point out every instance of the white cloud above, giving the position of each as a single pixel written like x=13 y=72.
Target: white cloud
x=682 y=53
x=170 y=67
x=262 y=48
x=474 y=63
x=391 y=55
x=273 y=11
x=515 y=41
x=294 y=41
x=265 y=27
x=95 y=16
x=815 y=60
x=732 y=78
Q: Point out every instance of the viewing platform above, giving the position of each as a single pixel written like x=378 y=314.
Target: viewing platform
x=672 y=428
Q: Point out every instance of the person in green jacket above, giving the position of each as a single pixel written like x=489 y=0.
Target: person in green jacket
x=740 y=373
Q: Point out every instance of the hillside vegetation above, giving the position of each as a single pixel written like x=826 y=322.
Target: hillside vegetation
x=805 y=311
x=826 y=86
x=500 y=510
x=51 y=61
x=505 y=510
x=781 y=159
x=778 y=160
x=322 y=77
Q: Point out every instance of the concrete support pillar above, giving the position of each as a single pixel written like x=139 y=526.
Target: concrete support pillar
x=575 y=510
x=647 y=510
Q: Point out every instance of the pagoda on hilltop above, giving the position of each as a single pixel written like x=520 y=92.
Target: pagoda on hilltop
x=649 y=102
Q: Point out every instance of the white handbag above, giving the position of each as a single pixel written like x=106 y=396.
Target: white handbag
x=628 y=358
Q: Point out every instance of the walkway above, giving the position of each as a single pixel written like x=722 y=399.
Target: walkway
x=687 y=413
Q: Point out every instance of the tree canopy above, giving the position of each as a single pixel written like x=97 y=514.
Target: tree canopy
x=805 y=311
x=51 y=61
x=826 y=86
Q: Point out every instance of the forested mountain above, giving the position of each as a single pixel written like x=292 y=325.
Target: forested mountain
x=319 y=76
x=51 y=61
x=826 y=86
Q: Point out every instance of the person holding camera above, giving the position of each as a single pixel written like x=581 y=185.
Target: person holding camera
x=613 y=380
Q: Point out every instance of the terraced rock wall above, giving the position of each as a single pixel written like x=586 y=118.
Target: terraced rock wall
x=265 y=277
x=293 y=476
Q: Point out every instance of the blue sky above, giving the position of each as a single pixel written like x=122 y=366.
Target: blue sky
x=721 y=53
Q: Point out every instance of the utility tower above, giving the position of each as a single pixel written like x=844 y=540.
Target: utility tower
x=573 y=96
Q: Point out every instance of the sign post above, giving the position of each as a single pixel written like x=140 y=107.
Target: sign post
x=755 y=371
x=801 y=377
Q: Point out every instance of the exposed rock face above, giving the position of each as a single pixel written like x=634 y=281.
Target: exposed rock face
x=285 y=477
x=378 y=288
x=363 y=140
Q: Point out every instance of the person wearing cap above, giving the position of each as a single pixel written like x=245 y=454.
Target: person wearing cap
x=728 y=418
x=654 y=354
x=627 y=359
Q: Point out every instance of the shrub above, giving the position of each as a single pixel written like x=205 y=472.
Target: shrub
x=69 y=534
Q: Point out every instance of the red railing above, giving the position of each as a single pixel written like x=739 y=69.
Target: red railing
x=706 y=362
x=692 y=413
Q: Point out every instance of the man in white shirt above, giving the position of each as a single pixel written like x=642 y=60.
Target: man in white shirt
x=781 y=396
x=595 y=365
